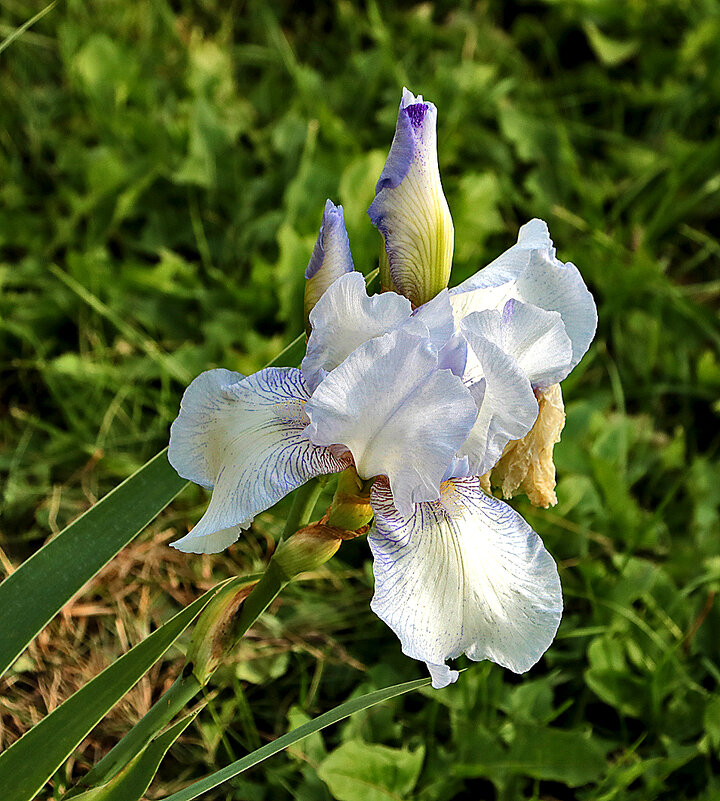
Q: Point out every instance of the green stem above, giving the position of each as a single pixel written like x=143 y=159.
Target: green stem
x=262 y=595
x=181 y=692
x=187 y=686
x=302 y=508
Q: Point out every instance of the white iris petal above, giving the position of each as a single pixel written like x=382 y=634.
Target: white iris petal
x=465 y=574
x=398 y=414
x=530 y=272
x=535 y=338
x=343 y=319
x=244 y=437
x=505 y=399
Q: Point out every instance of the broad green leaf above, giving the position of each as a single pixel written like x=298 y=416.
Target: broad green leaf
x=30 y=761
x=542 y=753
x=132 y=782
x=32 y=595
x=358 y=771
x=295 y=736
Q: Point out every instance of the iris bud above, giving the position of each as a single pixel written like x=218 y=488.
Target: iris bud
x=212 y=639
x=350 y=509
x=330 y=258
x=410 y=209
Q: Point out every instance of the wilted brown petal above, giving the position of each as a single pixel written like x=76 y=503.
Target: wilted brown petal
x=527 y=464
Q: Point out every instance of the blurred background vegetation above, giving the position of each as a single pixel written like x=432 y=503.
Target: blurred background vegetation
x=163 y=170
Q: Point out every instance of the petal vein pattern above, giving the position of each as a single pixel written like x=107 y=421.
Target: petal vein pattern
x=465 y=574
x=398 y=414
x=244 y=438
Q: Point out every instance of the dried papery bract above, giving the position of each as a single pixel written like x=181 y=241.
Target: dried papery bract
x=526 y=465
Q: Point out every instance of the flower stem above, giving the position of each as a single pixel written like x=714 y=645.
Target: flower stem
x=302 y=508
x=188 y=685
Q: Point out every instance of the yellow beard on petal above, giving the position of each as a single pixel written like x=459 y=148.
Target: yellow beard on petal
x=451 y=502
x=527 y=464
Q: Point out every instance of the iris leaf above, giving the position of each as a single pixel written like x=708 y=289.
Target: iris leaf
x=295 y=736
x=27 y=765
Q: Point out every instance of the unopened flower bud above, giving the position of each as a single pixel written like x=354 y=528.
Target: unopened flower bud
x=330 y=258
x=212 y=638
x=350 y=509
x=410 y=209
x=307 y=549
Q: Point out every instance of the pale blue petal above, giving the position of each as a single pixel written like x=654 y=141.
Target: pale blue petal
x=535 y=338
x=396 y=412
x=465 y=574
x=530 y=272
x=210 y=543
x=244 y=438
x=192 y=450
x=458 y=468
x=505 y=398
x=410 y=209
x=437 y=317
x=441 y=675
x=331 y=255
x=343 y=319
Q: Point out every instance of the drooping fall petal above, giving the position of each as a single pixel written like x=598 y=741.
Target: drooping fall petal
x=243 y=437
x=464 y=574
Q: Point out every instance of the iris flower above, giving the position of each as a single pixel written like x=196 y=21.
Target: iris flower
x=423 y=391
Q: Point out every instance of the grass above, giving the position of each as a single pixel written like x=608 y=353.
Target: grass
x=165 y=167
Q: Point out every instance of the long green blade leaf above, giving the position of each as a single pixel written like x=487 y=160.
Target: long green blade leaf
x=296 y=735
x=30 y=761
x=32 y=595
x=19 y=31
x=132 y=782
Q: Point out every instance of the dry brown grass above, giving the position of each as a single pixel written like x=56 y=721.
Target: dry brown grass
x=141 y=588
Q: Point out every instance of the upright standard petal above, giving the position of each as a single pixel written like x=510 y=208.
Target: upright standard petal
x=535 y=338
x=465 y=574
x=410 y=209
x=330 y=258
x=436 y=316
x=244 y=437
x=530 y=272
x=398 y=414
x=507 y=408
x=343 y=319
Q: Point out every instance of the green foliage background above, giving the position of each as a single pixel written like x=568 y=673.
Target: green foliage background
x=163 y=168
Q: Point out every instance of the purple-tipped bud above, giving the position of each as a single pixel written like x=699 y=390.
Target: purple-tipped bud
x=410 y=209
x=330 y=258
